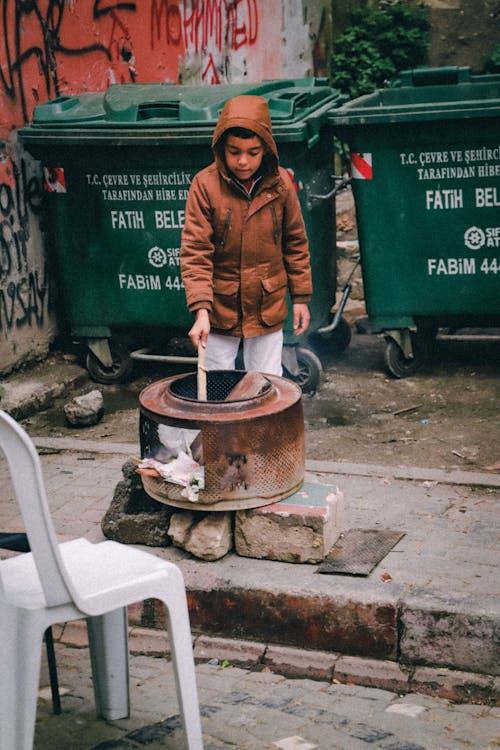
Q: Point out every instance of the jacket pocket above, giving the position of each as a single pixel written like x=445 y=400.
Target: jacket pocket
x=225 y=307
x=273 y=306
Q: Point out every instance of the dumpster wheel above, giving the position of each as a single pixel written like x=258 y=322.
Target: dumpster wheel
x=403 y=367
x=120 y=370
x=309 y=371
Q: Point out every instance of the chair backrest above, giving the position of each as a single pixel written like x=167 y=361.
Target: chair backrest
x=27 y=479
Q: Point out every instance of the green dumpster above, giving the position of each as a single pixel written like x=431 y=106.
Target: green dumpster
x=118 y=166
x=425 y=156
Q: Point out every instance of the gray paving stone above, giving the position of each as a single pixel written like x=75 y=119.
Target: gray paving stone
x=248 y=710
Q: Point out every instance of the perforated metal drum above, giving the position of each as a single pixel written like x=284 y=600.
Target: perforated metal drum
x=251 y=448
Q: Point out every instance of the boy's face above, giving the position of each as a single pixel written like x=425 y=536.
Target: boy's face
x=243 y=156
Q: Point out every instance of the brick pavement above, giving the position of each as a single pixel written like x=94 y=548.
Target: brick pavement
x=248 y=709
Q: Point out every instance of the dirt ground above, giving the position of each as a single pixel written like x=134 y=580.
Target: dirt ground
x=446 y=416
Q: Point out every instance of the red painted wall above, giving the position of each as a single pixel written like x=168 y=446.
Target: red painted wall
x=50 y=48
x=54 y=47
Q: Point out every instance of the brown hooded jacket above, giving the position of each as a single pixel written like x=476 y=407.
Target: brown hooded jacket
x=239 y=254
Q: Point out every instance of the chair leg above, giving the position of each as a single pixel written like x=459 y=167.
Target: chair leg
x=51 y=662
x=18 y=541
x=20 y=658
x=108 y=639
x=175 y=601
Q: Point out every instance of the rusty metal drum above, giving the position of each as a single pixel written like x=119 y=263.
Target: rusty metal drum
x=251 y=447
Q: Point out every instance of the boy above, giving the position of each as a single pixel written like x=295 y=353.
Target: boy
x=243 y=244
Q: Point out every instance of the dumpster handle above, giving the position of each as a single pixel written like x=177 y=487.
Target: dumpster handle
x=146 y=355
x=451 y=74
x=340 y=183
x=340 y=309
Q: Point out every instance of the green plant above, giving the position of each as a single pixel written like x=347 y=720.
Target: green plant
x=380 y=41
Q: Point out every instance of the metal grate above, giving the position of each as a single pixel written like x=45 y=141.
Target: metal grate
x=358 y=551
x=220 y=383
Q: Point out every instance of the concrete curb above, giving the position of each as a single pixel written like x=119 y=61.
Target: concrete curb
x=29 y=393
x=469 y=478
x=410 y=473
x=399 y=627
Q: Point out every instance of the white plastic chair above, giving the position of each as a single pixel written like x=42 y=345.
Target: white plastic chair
x=57 y=583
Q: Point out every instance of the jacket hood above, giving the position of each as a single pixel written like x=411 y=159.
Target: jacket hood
x=251 y=112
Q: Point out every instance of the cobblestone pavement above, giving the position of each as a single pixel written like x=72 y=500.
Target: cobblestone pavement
x=247 y=710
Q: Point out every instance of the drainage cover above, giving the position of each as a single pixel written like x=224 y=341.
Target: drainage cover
x=358 y=551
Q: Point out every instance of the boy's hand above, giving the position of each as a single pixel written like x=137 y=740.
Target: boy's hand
x=301 y=318
x=200 y=329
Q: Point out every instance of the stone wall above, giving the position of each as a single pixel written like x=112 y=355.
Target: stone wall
x=463 y=32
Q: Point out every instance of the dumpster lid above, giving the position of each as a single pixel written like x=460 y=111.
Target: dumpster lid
x=298 y=108
x=446 y=93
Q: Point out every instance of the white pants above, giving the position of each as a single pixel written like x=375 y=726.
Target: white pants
x=261 y=353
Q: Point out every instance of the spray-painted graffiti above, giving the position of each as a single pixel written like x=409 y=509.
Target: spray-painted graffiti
x=64 y=48
x=23 y=290
x=24 y=302
x=54 y=47
x=230 y=25
x=38 y=35
x=213 y=29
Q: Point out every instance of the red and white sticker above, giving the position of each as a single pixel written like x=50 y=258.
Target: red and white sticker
x=296 y=182
x=362 y=166
x=54 y=180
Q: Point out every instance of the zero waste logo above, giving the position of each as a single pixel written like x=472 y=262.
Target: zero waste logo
x=474 y=238
x=157 y=257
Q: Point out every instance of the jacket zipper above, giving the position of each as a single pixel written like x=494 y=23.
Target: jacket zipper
x=225 y=229
x=275 y=224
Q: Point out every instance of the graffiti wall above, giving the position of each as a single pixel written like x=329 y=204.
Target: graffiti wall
x=51 y=48
x=25 y=321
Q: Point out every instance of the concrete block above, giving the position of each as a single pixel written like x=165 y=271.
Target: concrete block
x=298 y=662
x=454 y=685
x=301 y=528
x=241 y=653
x=212 y=537
x=180 y=527
x=449 y=630
x=149 y=642
x=133 y=517
x=386 y=675
x=207 y=536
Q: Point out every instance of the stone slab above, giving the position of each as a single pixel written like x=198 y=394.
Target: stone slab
x=300 y=529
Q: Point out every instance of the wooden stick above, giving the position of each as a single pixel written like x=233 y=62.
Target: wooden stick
x=202 y=374
x=406 y=410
